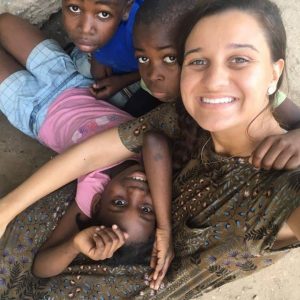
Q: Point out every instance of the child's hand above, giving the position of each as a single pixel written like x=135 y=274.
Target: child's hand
x=161 y=258
x=106 y=87
x=99 y=243
x=278 y=152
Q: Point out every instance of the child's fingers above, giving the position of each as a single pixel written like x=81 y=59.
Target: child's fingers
x=156 y=283
x=100 y=246
x=159 y=266
x=103 y=93
x=260 y=151
x=282 y=159
x=275 y=150
x=153 y=260
x=293 y=162
x=111 y=241
x=123 y=236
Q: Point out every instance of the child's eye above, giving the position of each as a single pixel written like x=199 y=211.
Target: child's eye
x=74 y=9
x=143 y=59
x=119 y=202
x=147 y=209
x=104 y=15
x=170 y=59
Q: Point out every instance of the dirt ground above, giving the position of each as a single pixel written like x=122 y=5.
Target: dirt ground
x=20 y=156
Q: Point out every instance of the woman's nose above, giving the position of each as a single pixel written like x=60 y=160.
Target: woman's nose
x=216 y=76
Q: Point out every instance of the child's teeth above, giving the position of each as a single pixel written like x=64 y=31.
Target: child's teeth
x=138 y=178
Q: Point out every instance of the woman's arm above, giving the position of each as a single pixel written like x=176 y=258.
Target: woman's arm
x=294 y=222
x=99 y=151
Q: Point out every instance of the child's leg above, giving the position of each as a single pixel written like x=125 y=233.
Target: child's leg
x=18 y=37
x=8 y=65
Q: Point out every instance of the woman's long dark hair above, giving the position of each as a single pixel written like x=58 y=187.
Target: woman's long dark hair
x=268 y=16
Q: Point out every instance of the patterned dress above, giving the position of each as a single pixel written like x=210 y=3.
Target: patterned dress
x=226 y=215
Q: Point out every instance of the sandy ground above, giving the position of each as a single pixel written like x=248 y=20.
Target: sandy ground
x=20 y=156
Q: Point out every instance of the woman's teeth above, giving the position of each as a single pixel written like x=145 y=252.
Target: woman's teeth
x=217 y=100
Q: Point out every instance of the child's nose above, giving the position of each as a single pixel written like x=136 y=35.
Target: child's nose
x=155 y=73
x=86 y=24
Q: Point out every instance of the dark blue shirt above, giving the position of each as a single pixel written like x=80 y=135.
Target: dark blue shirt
x=118 y=53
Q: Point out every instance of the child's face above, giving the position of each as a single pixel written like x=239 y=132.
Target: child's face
x=157 y=57
x=126 y=202
x=90 y=24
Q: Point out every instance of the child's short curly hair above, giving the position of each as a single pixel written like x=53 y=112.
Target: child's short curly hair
x=164 y=12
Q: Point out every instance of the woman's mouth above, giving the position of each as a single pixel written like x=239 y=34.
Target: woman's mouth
x=222 y=100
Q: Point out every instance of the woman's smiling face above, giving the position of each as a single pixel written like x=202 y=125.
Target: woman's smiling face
x=227 y=70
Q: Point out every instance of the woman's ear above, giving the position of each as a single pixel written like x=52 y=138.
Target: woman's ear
x=278 y=67
x=96 y=203
x=127 y=10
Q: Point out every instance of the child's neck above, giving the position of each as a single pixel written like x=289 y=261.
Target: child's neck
x=112 y=172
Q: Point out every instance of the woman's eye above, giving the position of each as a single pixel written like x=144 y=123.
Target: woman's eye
x=119 y=202
x=143 y=59
x=104 y=15
x=170 y=59
x=74 y=9
x=147 y=209
x=239 y=60
x=198 y=62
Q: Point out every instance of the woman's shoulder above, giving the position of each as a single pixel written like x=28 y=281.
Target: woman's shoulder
x=284 y=190
x=163 y=118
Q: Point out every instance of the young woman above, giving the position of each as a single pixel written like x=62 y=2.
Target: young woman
x=229 y=218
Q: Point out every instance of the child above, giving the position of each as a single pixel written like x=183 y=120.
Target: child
x=41 y=102
x=125 y=201
x=103 y=29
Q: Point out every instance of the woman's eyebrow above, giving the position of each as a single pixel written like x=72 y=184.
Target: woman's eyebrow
x=237 y=45
x=192 y=51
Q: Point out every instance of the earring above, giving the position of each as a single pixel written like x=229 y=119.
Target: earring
x=272 y=89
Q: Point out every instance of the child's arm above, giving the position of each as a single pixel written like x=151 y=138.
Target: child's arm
x=66 y=242
x=158 y=168
x=281 y=151
x=99 y=71
x=288 y=114
x=107 y=87
x=97 y=152
x=106 y=84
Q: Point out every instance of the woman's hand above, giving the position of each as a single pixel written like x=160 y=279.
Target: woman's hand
x=99 y=243
x=278 y=152
x=162 y=256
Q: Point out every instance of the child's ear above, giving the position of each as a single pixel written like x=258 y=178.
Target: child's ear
x=96 y=203
x=127 y=10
